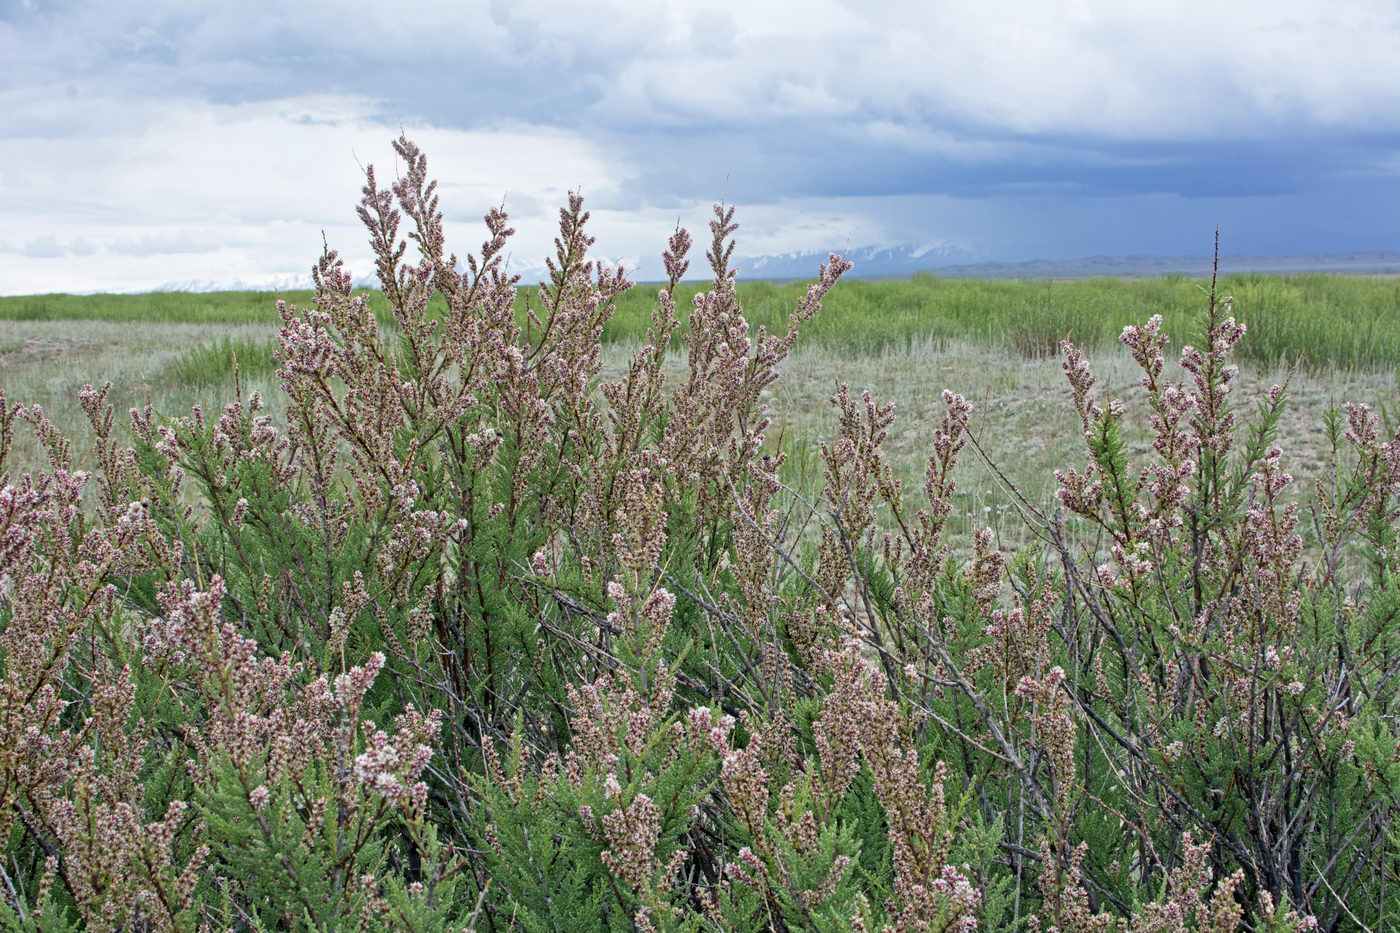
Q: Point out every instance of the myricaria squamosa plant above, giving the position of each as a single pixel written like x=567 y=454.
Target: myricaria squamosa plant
x=474 y=637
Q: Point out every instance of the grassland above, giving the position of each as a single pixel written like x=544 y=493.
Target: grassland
x=1326 y=321
x=904 y=340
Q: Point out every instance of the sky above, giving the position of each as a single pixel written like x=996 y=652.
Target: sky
x=150 y=142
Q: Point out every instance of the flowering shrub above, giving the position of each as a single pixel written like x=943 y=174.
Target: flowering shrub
x=480 y=639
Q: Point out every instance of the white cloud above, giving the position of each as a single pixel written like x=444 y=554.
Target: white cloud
x=1123 y=70
x=195 y=190
x=189 y=191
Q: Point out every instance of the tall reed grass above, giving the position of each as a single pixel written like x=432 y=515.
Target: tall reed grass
x=1349 y=322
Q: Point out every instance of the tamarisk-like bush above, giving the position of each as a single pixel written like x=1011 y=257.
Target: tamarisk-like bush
x=478 y=639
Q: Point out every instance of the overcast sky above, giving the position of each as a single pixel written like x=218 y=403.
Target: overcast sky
x=144 y=142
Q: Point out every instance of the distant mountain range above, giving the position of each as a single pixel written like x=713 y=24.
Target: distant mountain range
x=271 y=283
x=946 y=260
x=881 y=262
x=871 y=261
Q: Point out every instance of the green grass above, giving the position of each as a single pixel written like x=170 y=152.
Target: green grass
x=155 y=307
x=213 y=364
x=1328 y=321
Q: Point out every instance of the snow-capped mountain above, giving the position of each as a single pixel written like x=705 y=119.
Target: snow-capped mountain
x=271 y=283
x=530 y=274
x=871 y=261
x=893 y=261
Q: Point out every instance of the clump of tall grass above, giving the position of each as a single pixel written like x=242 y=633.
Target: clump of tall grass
x=213 y=365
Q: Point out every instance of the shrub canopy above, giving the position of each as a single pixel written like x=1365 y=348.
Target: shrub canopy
x=479 y=639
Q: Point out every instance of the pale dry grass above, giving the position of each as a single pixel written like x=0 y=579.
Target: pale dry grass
x=1022 y=415
x=47 y=362
x=1023 y=418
